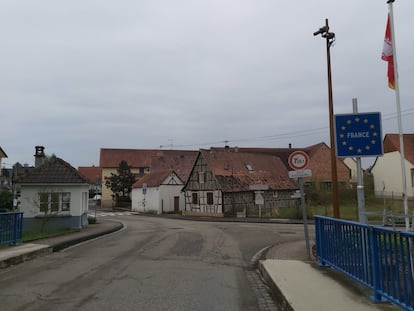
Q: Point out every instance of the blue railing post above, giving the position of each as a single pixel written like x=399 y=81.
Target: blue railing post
x=375 y=265
x=320 y=241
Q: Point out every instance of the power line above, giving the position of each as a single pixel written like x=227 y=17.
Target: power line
x=288 y=135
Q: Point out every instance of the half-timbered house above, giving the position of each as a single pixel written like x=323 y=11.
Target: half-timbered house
x=228 y=182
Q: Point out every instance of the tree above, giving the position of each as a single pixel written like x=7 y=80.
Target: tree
x=121 y=183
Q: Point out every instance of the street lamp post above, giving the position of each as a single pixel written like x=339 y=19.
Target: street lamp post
x=330 y=38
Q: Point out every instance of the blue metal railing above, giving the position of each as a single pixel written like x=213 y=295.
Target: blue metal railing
x=380 y=258
x=11 y=227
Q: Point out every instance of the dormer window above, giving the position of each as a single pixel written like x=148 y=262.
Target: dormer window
x=249 y=168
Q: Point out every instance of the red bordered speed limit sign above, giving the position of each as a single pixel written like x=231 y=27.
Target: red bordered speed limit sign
x=298 y=160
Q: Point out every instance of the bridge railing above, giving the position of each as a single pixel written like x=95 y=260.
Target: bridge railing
x=380 y=258
x=11 y=227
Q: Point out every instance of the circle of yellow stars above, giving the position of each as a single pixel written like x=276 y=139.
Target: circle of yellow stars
x=371 y=127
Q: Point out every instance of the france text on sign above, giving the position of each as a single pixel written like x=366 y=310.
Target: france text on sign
x=300 y=173
x=358 y=135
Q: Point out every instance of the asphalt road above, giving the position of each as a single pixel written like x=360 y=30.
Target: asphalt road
x=154 y=264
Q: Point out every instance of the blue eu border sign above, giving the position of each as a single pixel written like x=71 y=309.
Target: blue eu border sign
x=358 y=135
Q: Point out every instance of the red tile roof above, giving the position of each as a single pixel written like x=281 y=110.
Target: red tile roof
x=92 y=173
x=153 y=179
x=237 y=171
x=136 y=158
x=282 y=153
x=180 y=162
x=392 y=143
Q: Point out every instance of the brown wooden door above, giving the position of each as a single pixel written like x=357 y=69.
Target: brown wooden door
x=176 y=204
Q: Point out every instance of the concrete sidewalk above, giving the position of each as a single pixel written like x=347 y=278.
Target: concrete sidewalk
x=301 y=286
x=13 y=255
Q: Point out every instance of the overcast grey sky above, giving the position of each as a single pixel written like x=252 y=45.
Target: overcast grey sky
x=80 y=75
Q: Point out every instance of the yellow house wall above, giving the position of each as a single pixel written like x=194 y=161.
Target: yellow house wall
x=106 y=192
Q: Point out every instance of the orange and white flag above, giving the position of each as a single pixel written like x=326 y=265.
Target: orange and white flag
x=387 y=55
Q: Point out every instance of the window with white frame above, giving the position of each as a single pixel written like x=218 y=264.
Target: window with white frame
x=54 y=201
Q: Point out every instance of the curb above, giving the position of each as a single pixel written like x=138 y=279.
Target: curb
x=55 y=247
x=65 y=244
x=229 y=219
x=15 y=260
x=276 y=292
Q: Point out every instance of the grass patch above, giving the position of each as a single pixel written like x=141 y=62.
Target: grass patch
x=35 y=235
x=349 y=209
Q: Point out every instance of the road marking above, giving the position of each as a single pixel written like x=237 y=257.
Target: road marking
x=110 y=214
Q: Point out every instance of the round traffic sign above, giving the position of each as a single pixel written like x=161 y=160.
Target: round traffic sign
x=298 y=160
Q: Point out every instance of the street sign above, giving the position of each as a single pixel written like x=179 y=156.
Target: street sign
x=300 y=173
x=258 y=198
x=298 y=160
x=358 y=135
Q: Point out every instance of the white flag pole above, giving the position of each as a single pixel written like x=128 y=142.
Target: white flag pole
x=400 y=130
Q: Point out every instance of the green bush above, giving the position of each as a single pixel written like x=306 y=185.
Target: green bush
x=6 y=201
x=91 y=220
x=123 y=201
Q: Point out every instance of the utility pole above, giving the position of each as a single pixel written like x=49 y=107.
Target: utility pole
x=330 y=39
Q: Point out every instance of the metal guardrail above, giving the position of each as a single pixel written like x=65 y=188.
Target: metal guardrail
x=380 y=258
x=11 y=227
x=393 y=220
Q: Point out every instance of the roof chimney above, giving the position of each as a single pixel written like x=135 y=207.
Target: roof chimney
x=290 y=146
x=39 y=155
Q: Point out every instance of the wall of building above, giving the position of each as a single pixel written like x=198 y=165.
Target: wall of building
x=76 y=217
x=388 y=177
x=146 y=203
x=202 y=205
x=106 y=192
x=239 y=203
x=167 y=194
x=320 y=166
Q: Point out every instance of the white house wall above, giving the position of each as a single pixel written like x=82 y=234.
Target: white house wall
x=29 y=199
x=351 y=163
x=146 y=203
x=157 y=199
x=202 y=206
x=167 y=194
x=387 y=173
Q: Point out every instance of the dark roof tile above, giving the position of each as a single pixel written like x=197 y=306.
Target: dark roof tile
x=53 y=171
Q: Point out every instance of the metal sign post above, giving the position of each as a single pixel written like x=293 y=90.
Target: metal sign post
x=299 y=161
x=358 y=135
x=305 y=217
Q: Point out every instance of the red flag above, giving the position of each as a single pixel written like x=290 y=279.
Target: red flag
x=388 y=56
